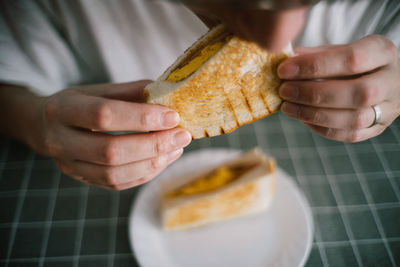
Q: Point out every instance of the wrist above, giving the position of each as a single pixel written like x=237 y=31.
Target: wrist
x=33 y=130
x=22 y=115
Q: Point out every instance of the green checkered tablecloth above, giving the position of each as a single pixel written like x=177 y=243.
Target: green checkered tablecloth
x=48 y=219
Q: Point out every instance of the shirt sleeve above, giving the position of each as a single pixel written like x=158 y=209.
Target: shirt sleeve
x=32 y=52
x=343 y=22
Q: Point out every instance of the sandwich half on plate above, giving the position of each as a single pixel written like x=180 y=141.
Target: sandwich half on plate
x=241 y=186
x=220 y=83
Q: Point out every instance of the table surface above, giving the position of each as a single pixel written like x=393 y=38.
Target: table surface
x=48 y=219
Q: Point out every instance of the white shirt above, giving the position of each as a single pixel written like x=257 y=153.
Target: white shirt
x=49 y=45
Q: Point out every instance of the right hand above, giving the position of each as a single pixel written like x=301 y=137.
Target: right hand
x=73 y=135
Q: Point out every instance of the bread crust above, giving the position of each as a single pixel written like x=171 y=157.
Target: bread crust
x=236 y=86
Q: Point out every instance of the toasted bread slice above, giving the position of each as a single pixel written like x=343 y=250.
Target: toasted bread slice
x=219 y=84
x=241 y=186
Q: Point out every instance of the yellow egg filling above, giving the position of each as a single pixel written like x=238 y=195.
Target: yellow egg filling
x=186 y=70
x=210 y=182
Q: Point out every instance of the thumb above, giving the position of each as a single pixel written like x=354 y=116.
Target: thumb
x=130 y=91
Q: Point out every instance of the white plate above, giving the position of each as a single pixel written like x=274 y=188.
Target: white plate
x=282 y=236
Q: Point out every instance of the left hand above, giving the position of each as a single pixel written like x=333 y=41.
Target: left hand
x=332 y=89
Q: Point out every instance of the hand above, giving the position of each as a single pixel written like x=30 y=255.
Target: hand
x=332 y=88
x=74 y=121
x=272 y=30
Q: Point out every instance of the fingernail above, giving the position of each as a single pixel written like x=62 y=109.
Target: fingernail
x=289 y=91
x=174 y=154
x=182 y=138
x=288 y=70
x=291 y=109
x=170 y=119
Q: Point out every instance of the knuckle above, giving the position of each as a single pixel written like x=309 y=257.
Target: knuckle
x=365 y=95
x=157 y=163
x=359 y=120
x=50 y=147
x=112 y=153
x=394 y=50
x=51 y=109
x=313 y=67
x=386 y=45
x=116 y=187
x=331 y=133
x=353 y=136
x=314 y=116
x=353 y=60
x=147 y=120
x=111 y=176
x=374 y=38
x=315 y=97
x=145 y=179
x=142 y=180
x=103 y=116
x=120 y=188
x=160 y=145
x=381 y=130
x=318 y=116
x=62 y=166
x=391 y=48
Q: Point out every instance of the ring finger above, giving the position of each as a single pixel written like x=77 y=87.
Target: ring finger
x=113 y=176
x=332 y=118
x=137 y=182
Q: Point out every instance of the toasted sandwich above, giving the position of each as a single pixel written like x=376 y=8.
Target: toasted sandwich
x=220 y=83
x=241 y=186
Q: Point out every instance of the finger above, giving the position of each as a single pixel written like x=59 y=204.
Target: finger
x=348 y=135
x=122 y=149
x=132 y=184
x=113 y=176
x=364 y=91
x=299 y=50
x=333 y=118
x=131 y=91
x=341 y=118
x=362 y=56
x=102 y=114
x=142 y=180
x=137 y=182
